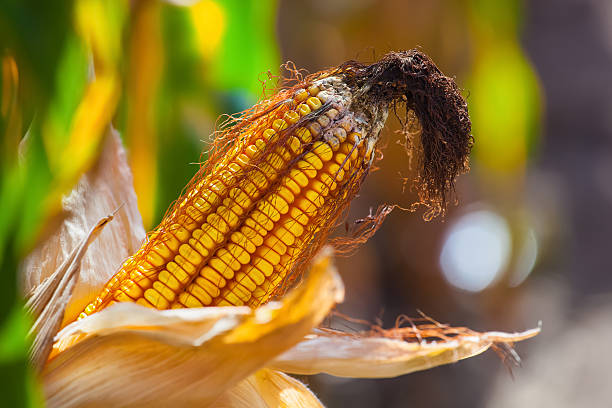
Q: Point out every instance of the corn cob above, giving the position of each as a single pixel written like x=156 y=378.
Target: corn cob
x=279 y=179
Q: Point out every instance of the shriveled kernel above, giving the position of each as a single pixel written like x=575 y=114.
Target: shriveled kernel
x=279 y=125
x=332 y=113
x=156 y=299
x=314 y=128
x=303 y=109
x=333 y=142
x=291 y=116
x=340 y=133
x=354 y=138
x=314 y=103
x=324 y=121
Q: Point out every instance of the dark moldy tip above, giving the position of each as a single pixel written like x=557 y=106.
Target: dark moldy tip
x=442 y=151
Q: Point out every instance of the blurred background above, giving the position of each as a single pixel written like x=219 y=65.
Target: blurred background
x=528 y=242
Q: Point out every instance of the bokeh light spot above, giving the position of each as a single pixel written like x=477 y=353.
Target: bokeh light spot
x=476 y=250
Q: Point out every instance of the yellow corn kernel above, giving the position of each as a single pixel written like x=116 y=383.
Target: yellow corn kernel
x=188 y=300
x=156 y=299
x=298 y=215
x=279 y=125
x=314 y=103
x=303 y=109
x=314 y=161
x=304 y=135
x=179 y=273
x=306 y=168
x=263 y=265
x=239 y=253
x=313 y=90
x=286 y=194
x=284 y=235
x=291 y=117
x=300 y=95
x=268 y=254
x=279 y=203
x=323 y=151
x=239 y=238
x=169 y=280
x=210 y=288
x=164 y=290
x=190 y=254
x=244 y=280
x=255 y=274
x=221 y=267
x=213 y=276
x=202 y=295
x=230 y=260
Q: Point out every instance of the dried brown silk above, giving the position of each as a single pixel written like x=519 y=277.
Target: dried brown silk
x=407 y=78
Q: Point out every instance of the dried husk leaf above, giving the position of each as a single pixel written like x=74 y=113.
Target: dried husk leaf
x=356 y=356
x=101 y=191
x=268 y=389
x=128 y=355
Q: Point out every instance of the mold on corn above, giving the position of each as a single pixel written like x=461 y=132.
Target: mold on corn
x=278 y=179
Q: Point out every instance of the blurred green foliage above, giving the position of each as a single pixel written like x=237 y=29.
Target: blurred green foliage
x=159 y=72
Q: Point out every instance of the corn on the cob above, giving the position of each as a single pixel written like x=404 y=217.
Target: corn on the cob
x=275 y=185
